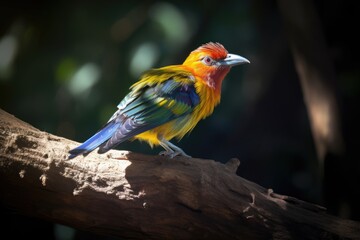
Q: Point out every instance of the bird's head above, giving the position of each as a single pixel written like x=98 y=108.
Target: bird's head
x=211 y=62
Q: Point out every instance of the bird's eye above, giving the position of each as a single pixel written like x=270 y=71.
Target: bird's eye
x=207 y=60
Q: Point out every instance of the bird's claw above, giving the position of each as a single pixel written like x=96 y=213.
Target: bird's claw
x=173 y=154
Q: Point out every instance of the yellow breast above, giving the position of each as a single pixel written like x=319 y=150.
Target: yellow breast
x=178 y=128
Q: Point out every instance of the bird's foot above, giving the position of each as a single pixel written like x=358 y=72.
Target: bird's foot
x=172 y=154
x=171 y=150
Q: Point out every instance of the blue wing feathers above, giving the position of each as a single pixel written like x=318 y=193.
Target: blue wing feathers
x=182 y=93
x=96 y=140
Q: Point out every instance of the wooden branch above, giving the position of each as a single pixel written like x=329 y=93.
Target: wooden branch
x=135 y=196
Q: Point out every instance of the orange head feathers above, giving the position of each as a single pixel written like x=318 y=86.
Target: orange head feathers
x=211 y=62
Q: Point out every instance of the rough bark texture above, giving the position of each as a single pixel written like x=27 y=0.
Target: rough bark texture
x=135 y=196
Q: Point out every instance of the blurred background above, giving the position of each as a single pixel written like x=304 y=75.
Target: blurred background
x=65 y=65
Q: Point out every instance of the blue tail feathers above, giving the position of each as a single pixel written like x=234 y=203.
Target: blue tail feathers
x=96 y=140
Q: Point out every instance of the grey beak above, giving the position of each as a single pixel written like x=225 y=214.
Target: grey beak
x=233 y=60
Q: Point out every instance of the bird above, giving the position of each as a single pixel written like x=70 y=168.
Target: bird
x=167 y=102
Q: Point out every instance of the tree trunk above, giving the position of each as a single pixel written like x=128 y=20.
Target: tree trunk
x=316 y=74
x=135 y=196
x=318 y=81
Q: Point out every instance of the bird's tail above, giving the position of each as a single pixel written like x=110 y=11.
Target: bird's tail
x=96 y=140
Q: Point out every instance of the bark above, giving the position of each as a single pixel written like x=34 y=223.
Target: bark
x=135 y=196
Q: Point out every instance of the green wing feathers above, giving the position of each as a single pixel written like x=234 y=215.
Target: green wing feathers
x=161 y=96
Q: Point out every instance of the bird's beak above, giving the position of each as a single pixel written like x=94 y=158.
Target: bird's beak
x=233 y=60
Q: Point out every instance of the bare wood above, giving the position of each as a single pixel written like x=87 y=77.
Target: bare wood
x=136 y=196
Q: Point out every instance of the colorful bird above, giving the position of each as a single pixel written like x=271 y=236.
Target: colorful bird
x=167 y=102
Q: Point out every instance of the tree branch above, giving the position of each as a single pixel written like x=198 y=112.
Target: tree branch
x=136 y=196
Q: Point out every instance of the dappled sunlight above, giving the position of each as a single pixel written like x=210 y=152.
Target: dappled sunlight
x=173 y=22
x=84 y=79
x=101 y=176
x=175 y=30
x=8 y=50
x=321 y=115
x=144 y=57
x=65 y=70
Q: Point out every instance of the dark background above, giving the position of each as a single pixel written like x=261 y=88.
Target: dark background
x=65 y=65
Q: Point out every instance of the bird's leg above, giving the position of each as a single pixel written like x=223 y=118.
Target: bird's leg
x=171 y=150
x=168 y=150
